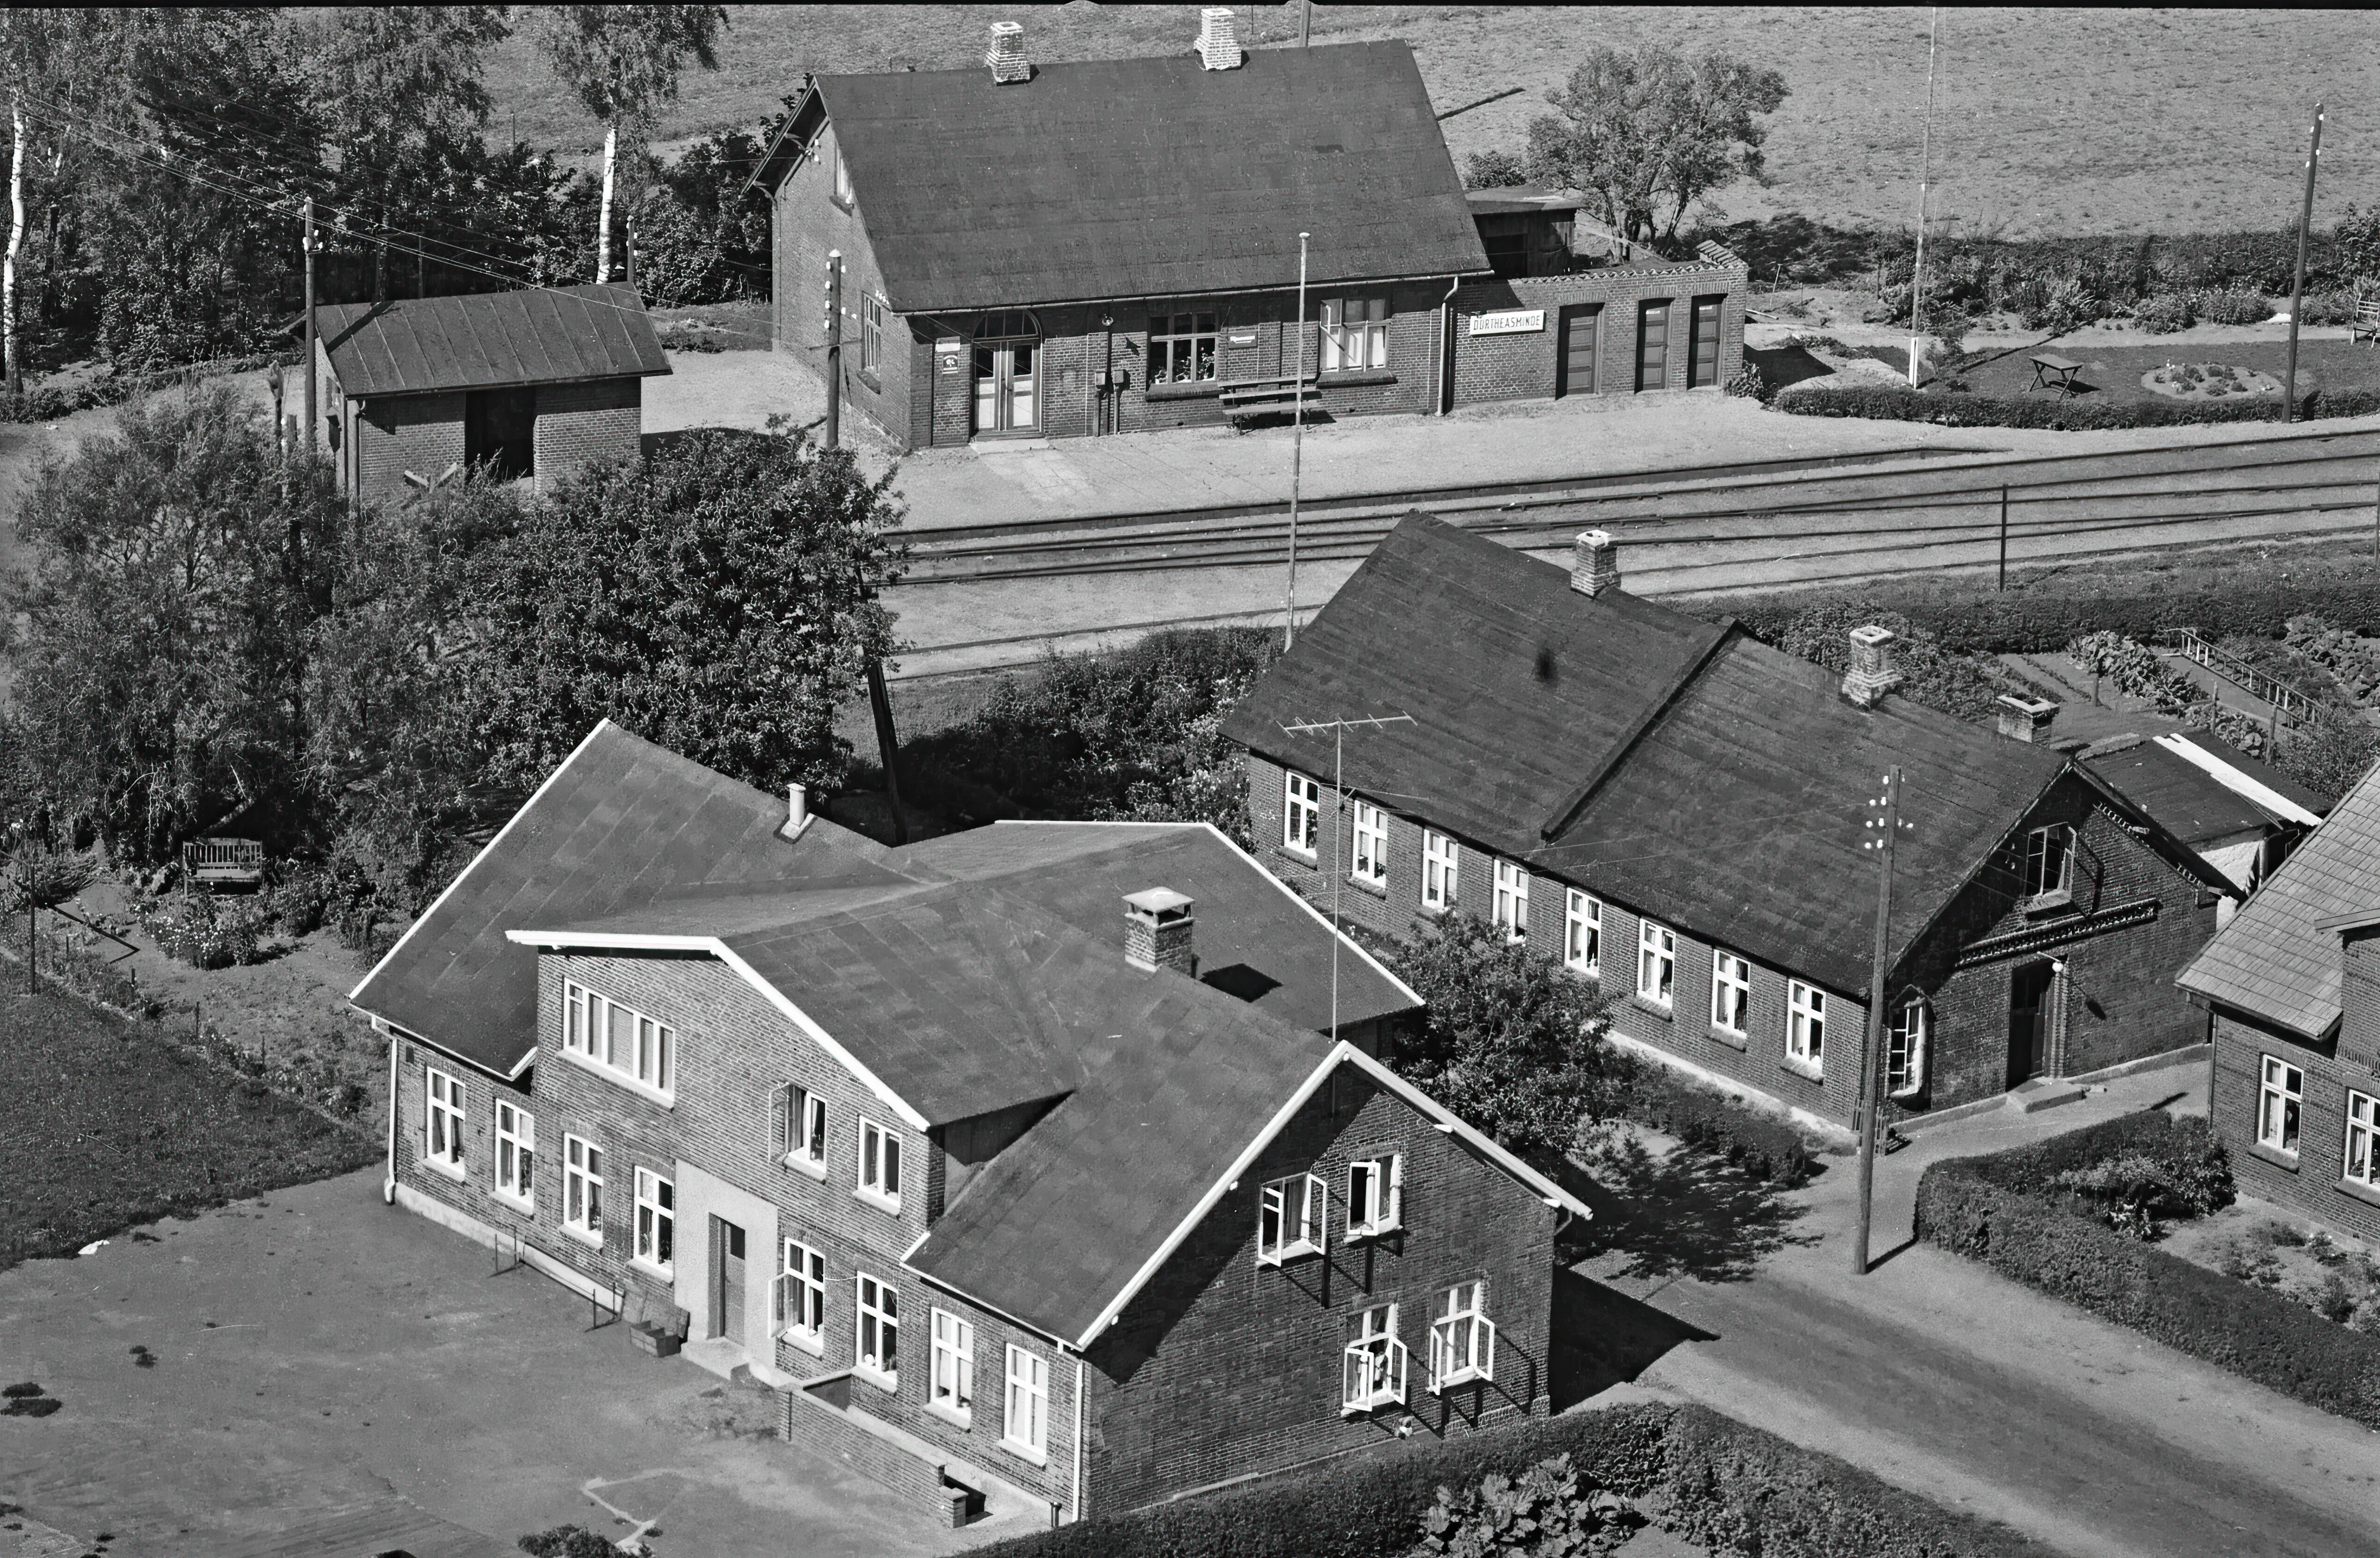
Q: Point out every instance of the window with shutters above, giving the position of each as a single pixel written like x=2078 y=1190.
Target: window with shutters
x=797 y=1129
x=801 y=1298
x=443 y=1125
x=879 y=1166
x=1375 y=1195
x=1291 y=1218
x=1372 y=1367
x=954 y=1368
x=1025 y=1419
x=515 y=1156
x=1461 y=1337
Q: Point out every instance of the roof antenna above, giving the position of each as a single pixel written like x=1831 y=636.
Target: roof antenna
x=1338 y=729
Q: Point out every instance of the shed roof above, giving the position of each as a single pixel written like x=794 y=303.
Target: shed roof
x=2187 y=800
x=489 y=340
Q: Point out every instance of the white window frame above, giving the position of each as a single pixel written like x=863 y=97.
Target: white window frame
x=1441 y=870
x=654 y=1236
x=1805 y=1024
x=582 y=1189
x=951 y=1379
x=646 y=1064
x=871 y=333
x=879 y=1313
x=1025 y=1407
x=1374 y=1364
x=1371 y=846
x=1293 y=1219
x=841 y=175
x=1583 y=934
x=2360 y=1163
x=801 y=1297
x=1509 y=904
x=2033 y=864
x=1301 y=814
x=1355 y=333
x=1375 y=1196
x=1905 y=1042
x=1656 y=964
x=1461 y=1337
x=879 y=1166
x=798 y=1118
x=2280 y=1106
x=1730 y=993
x=443 y=1121
x=517 y=1155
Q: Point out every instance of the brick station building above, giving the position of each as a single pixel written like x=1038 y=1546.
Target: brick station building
x=1020 y=1160
x=1106 y=246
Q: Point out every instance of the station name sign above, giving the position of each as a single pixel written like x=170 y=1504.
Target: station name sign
x=1511 y=321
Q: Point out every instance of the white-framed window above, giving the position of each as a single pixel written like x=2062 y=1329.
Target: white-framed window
x=871 y=334
x=1656 y=963
x=1510 y=907
x=797 y=1121
x=1025 y=1418
x=619 y=1039
x=1805 y=1024
x=1730 y=993
x=953 y=1365
x=1441 y=860
x=443 y=1130
x=656 y=1221
x=1371 y=845
x=515 y=1153
x=1582 y=932
x=2049 y=860
x=1301 y=814
x=1372 y=1367
x=879 y=1165
x=1461 y=1337
x=582 y=1186
x=801 y=1297
x=842 y=176
x=2363 y=1161
x=1354 y=332
x=1291 y=1218
x=2279 y=1103
x=1904 y=1048
x=877 y=1342
x=1181 y=349
x=1376 y=1191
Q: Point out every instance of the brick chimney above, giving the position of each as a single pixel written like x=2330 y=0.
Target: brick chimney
x=1219 y=40
x=1872 y=673
x=1156 y=930
x=1006 y=55
x=2025 y=719
x=1594 y=567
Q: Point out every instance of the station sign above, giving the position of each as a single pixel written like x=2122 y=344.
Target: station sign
x=1511 y=321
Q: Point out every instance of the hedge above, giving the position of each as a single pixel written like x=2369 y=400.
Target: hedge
x=1900 y=404
x=2274 y=1341
x=1719 y=1482
x=1762 y=1145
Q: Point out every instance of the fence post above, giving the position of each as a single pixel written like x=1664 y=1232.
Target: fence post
x=2003 y=539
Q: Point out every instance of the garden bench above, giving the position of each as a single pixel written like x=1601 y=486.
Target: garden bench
x=2054 y=373
x=1250 y=397
x=2365 y=325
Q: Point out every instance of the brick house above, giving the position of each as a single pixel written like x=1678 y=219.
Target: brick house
x=2292 y=990
x=1021 y=1161
x=1111 y=246
x=539 y=384
x=1675 y=810
x=2242 y=816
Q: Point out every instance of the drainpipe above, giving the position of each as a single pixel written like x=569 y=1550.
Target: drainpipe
x=1445 y=342
x=1076 y=1512
x=388 y=1185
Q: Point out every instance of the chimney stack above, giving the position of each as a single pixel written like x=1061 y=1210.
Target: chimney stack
x=1156 y=930
x=1596 y=566
x=1006 y=55
x=1219 y=41
x=1873 y=674
x=797 y=808
x=2025 y=719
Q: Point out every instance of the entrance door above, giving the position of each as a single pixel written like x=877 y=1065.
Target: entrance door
x=727 y=1280
x=2029 y=1013
x=1653 y=346
x=1580 y=323
x=1702 y=368
x=500 y=427
x=1004 y=401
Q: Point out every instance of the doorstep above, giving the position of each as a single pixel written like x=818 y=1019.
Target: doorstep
x=2046 y=1092
x=717 y=1356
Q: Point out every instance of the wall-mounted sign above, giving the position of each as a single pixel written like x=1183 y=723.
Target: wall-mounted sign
x=1243 y=337
x=950 y=353
x=1511 y=321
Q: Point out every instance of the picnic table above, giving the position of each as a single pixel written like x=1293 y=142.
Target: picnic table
x=2052 y=371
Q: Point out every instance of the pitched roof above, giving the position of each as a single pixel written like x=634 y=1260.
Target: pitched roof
x=1688 y=770
x=2274 y=960
x=2185 y=798
x=1145 y=178
x=489 y=340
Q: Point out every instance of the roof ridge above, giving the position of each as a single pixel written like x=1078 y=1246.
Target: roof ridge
x=1567 y=812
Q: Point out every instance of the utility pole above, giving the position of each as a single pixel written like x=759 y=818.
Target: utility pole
x=1925 y=178
x=880 y=703
x=1338 y=729
x=311 y=247
x=1296 y=451
x=833 y=347
x=1872 y=1048
x=2297 y=288
x=628 y=249
x=2004 y=540
x=1305 y=23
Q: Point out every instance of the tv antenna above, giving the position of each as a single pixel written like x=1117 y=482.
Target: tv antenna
x=1338 y=729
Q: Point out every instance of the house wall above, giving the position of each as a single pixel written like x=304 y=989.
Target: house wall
x=2311 y=1182
x=393 y=434
x=589 y=424
x=1525 y=365
x=809 y=222
x=1221 y=1368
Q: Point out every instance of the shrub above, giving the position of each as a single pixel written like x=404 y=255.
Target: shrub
x=2233 y=306
x=203 y=930
x=569 y=1542
x=1748 y=385
x=2335 y=306
x=2165 y=313
x=1762 y=1145
x=1552 y=1512
x=1896 y=403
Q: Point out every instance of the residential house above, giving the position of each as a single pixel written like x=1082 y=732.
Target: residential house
x=1023 y=1161
x=2242 y=816
x=1679 y=811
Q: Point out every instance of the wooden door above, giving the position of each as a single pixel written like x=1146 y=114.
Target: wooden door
x=1702 y=368
x=727 y=1285
x=1574 y=369
x=1006 y=397
x=2029 y=1013
x=1653 y=346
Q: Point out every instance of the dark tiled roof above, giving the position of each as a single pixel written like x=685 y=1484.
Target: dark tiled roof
x=489 y=340
x=2187 y=800
x=1150 y=178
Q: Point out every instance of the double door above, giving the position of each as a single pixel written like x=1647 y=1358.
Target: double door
x=1005 y=398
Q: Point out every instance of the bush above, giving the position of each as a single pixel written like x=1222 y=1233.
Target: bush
x=2165 y=313
x=2233 y=307
x=1764 y=1146
x=203 y=930
x=1748 y=384
x=569 y=1542
x=1552 y=1512
x=1895 y=402
x=2335 y=306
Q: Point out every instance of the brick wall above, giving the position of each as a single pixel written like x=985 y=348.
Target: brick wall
x=1223 y=1366
x=2311 y=1182
x=809 y=222
x=2359 y=997
x=583 y=425
x=422 y=433
x=1526 y=364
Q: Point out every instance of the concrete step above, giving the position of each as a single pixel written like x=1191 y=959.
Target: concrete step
x=2046 y=1092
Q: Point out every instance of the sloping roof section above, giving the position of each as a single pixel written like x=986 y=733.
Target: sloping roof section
x=2185 y=798
x=489 y=340
x=2274 y=961
x=1129 y=178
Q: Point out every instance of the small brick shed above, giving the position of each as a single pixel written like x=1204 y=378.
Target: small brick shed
x=540 y=384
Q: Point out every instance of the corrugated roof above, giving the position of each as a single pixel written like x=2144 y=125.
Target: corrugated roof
x=2272 y=961
x=1131 y=178
x=489 y=340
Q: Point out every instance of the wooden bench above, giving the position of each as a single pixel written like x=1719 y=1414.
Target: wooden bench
x=2055 y=373
x=1245 y=398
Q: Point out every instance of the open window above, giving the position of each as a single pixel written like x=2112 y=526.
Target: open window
x=500 y=432
x=1904 y=1048
x=2048 y=864
x=1291 y=1215
x=1373 y=1366
x=1376 y=1190
x=1461 y=1337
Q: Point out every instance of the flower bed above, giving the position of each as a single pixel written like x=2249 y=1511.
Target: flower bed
x=2208 y=380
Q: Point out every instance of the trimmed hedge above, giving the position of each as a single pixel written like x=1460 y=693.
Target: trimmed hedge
x=1968 y=1206
x=1899 y=404
x=1762 y=1145
x=1721 y=1482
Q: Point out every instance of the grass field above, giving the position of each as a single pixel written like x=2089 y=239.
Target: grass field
x=2047 y=121
x=2114 y=373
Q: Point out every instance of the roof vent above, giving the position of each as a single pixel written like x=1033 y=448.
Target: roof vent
x=1596 y=566
x=797 y=809
x=1006 y=55
x=1219 y=41
x=2025 y=719
x=1156 y=930
x=1872 y=673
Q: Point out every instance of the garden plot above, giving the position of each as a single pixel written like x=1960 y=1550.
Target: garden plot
x=2336 y=1276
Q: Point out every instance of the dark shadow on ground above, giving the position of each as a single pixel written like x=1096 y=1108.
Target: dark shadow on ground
x=1602 y=1337
x=1780 y=366
x=1689 y=1213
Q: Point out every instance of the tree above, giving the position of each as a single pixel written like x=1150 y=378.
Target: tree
x=1494 y=170
x=1648 y=134
x=623 y=61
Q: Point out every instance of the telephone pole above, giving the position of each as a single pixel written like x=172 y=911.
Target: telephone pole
x=2297 y=288
x=1872 y=1045
x=833 y=347
x=1338 y=729
x=1296 y=450
x=311 y=247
